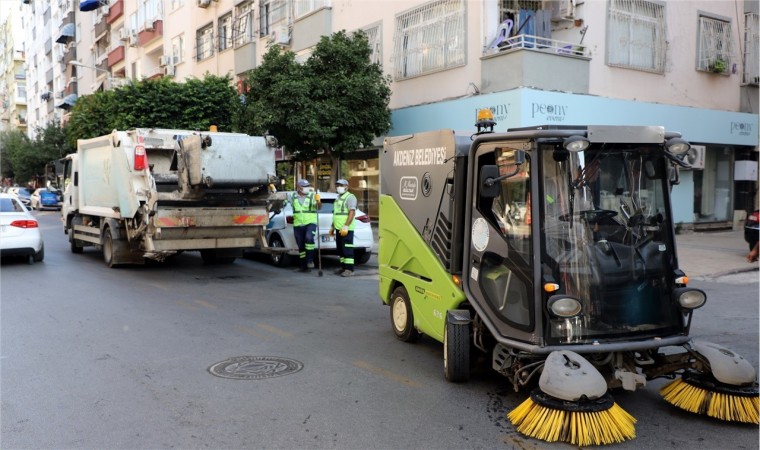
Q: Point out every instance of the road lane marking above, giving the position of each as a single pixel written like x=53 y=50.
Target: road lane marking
x=274 y=330
x=206 y=304
x=250 y=331
x=386 y=374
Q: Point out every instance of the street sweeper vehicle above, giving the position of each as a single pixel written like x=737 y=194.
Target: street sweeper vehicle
x=151 y=193
x=550 y=250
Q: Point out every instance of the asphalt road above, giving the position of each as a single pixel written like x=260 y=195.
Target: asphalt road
x=93 y=357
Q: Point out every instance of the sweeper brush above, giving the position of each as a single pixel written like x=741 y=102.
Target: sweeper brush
x=585 y=422
x=699 y=394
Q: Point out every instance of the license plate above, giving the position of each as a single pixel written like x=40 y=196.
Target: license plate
x=326 y=238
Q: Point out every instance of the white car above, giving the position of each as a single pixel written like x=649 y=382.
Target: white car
x=19 y=231
x=280 y=233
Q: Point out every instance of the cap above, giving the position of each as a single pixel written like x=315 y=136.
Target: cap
x=303 y=183
x=342 y=182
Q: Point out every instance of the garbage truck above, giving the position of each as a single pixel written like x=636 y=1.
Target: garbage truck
x=550 y=252
x=152 y=193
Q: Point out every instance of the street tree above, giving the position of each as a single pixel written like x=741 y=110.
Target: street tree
x=336 y=102
x=25 y=159
x=195 y=104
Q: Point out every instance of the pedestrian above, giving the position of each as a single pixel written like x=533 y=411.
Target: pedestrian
x=305 y=203
x=344 y=210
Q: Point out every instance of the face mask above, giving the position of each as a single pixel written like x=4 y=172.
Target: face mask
x=306 y=190
x=340 y=189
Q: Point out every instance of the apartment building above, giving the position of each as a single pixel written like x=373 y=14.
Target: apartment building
x=12 y=74
x=689 y=66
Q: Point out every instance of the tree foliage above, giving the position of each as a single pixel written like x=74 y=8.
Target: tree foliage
x=195 y=104
x=24 y=159
x=336 y=101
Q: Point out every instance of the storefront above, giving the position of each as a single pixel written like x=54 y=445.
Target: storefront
x=725 y=143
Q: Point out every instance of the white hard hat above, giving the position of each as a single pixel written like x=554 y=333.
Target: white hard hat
x=342 y=182
x=303 y=183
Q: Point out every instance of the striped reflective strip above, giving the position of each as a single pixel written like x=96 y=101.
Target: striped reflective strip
x=249 y=220
x=176 y=222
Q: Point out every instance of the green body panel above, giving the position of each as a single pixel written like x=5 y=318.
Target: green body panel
x=404 y=258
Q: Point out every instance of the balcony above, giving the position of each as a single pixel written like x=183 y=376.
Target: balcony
x=533 y=61
x=116 y=55
x=115 y=11
x=101 y=26
x=309 y=29
x=150 y=32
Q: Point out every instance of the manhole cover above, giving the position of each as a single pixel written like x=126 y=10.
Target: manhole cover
x=255 y=367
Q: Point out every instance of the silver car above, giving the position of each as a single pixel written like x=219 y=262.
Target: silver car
x=280 y=233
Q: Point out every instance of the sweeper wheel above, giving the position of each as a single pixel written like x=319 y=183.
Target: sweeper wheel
x=402 y=318
x=456 y=350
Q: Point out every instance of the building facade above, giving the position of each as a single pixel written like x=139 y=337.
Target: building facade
x=689 y=66
x=12 y=74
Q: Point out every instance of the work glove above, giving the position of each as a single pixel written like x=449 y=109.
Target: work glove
x=316 y=197
x=332 y=231
x=344 y=231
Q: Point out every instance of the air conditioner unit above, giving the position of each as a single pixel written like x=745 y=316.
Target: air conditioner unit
x=280 y=36
x=169 y=71
x=695 y=157
x=563 y=10
x=124 y=34
x=132 y=40
x=165 y=60
x=149 y=25
x=204 y=3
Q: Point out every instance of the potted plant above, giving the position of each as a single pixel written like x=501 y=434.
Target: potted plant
x=718 y=66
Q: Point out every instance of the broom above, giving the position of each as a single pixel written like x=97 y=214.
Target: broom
x=585 y=422
x=698 y=393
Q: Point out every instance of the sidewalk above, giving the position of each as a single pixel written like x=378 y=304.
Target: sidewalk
x=707 y=254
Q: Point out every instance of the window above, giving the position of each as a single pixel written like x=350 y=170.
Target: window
x=303 y=7
x=751 y=62
x=429 y=38
x=204 y=42
x=375 y=38
x=242 y=28
x=177 y=3
x=714 y=44
x=178 y=48
x=148 y=11
x=636 y=35
x=271 y=13
x=225 y=32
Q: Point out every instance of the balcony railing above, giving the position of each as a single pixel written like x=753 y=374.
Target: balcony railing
x=541 y=44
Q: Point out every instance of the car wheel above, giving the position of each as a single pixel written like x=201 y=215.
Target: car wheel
x=40 y=255
x=279 y=259
x=361 y=256
x=402 y=319
x=456 y=351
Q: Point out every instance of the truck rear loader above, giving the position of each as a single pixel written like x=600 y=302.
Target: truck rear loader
x=550 y=251
x=151 y=193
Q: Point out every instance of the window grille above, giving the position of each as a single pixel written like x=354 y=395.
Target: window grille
x=429 y=38
x=205 y=43
x=178 y=47
x=242 y=27
x=304 y=7
x=272 y=13
x=225 y=32
x=636 y=35
x=714 y=45
x=751 y=62
x=375 y=44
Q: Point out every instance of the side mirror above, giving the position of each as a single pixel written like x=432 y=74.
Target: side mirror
x=489 y=187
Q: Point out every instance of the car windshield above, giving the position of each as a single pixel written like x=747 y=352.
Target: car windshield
x=10 y=205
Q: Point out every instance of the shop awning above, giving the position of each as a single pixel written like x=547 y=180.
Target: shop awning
x=67 y=33
x=67 y=102
x=90 y=5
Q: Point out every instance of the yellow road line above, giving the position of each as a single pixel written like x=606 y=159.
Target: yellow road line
x=274 y=330
x=386 y=374
x=250 y=331
x=206 y=304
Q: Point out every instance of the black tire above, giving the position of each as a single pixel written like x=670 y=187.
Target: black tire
x=361 y=256
x=456 y=348
x=278 y=259
x=40 y=255
x=72 y=242
x=402 y=318
x=108 y=247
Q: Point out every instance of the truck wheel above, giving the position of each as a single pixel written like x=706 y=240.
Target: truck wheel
x=456 y=350
x=402 y=318
x=108 y=247
x=278 y=259
x=73 y=243
x=361 y=256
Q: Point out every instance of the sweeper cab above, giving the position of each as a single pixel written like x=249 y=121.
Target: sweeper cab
x=550 y=250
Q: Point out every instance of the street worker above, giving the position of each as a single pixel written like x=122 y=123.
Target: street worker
x=343 y=224
x=305 y=203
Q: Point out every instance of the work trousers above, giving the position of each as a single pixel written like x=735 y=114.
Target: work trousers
x=304 y=235
x=345 y=246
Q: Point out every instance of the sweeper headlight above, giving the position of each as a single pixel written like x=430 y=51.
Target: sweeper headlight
x=564 y=306
x=690 y=298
